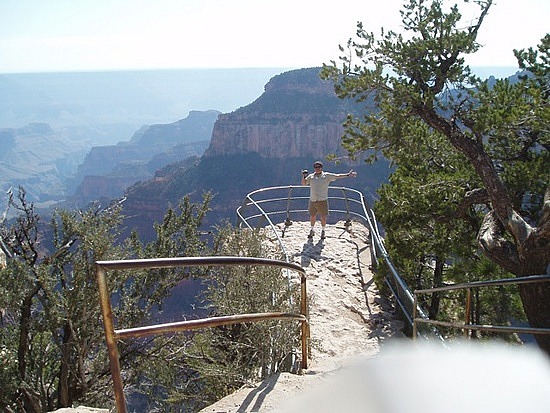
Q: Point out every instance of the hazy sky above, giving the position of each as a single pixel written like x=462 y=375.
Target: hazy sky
x=82 y=35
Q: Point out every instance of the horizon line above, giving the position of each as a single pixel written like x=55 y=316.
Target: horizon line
x=174 y=69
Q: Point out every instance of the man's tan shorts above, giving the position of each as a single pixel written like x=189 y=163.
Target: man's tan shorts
x=318 y=207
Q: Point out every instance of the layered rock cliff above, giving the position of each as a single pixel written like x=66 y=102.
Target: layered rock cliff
x=298 y=115
x=39 y=159
x=152 y=140
x=298 y=119
x=108 y=170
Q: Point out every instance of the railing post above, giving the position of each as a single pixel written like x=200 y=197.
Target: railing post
x=289 y=198
x=112 y=336
x=110 y=339
x=305 y=324
x=414 y=332
x=467 y=310
x=347 y=224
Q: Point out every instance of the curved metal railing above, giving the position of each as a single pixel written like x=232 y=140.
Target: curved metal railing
x=267 y=207
x=112 y=335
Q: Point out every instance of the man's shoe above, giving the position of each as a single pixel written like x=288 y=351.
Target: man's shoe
x=311 y=234
x=323 y=234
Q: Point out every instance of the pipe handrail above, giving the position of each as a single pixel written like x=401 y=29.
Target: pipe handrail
x=489 y=283
x=112 y=335
x=287 y=258
x=202 y=323
x=406 y=300
x=466 y=326
x=219 y=260
x=351 y=198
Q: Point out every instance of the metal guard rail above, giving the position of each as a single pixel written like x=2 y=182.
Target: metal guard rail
x=467 y=326
x=352 y=206
x=266 y=206
x=112 y=335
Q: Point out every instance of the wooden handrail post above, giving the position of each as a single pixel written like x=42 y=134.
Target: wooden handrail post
x=112 y=335
x=467 y=310
x=305 y=324
x=110 y=339
x=415 y=332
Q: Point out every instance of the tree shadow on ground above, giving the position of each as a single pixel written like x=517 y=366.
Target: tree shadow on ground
x=259 y=394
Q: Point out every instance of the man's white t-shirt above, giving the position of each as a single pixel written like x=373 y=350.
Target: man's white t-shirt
x=319 y=185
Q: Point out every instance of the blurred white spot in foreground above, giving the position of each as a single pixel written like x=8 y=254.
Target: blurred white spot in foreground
x=411 y=378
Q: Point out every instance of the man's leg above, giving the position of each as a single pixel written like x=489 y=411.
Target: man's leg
x=323 y=224
x=312 y=219
x=323 y=212
x=312 y=222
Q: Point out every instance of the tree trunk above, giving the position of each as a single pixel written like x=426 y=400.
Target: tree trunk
x=31 y=398
x=433 y=310
x=24 y=326
x=65 y=398
x=528 y=251
x=536 y=303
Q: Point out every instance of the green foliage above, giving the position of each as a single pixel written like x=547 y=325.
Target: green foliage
x=231 y=356
x=155 y=368
x=466 y=151
x=53 y=352
x=177 y=235
x=50 y=304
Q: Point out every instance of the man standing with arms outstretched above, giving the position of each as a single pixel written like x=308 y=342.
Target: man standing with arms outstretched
x=318 y=182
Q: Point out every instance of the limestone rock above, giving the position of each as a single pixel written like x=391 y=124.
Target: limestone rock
x=298 y=115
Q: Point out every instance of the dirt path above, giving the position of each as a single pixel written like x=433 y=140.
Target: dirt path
x=348 y=318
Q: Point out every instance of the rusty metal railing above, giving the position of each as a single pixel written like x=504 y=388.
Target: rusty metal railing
x=112 y=335
x=467 y=326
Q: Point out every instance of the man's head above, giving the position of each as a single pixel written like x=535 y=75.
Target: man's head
x=318 y=166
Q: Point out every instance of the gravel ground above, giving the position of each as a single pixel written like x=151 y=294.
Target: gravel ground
x=349 y=320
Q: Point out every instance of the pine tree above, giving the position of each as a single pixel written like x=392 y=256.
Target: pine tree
x=431 y=109
x=53 y=351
